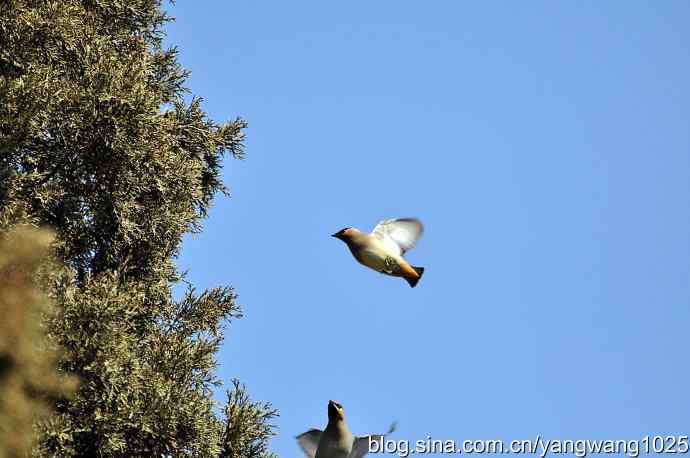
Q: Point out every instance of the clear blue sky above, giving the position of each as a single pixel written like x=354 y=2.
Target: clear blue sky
x=546 y=147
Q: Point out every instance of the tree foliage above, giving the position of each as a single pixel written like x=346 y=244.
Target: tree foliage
x=98 y=142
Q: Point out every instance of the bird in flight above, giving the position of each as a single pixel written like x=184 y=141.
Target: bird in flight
x=383 y=249
x=336 y=441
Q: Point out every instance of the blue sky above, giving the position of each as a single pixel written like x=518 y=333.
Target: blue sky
x=546 y=147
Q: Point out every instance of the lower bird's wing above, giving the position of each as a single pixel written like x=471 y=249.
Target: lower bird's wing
x=399 y=234
x=309 y=441
x=361 y=445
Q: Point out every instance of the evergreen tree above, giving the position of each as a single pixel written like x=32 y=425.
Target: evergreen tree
x=97 y=142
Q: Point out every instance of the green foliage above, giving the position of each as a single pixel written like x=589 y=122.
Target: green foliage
x=29 y=380
x=247 y=427
x=97 y=142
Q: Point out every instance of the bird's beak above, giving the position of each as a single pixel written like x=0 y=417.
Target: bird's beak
x=335 y=235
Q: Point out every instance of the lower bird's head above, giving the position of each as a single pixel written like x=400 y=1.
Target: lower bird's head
x=335 y=411
x=345 y=234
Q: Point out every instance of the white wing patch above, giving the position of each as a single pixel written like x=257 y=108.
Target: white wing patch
x=398 y=235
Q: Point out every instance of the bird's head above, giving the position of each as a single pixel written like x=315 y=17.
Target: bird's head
x=345 y=234
x=335 y=411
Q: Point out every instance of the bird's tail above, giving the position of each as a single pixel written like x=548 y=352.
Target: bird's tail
x=413 y=281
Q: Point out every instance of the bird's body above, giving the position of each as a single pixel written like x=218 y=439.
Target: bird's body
x=339 y=443
x=336 y=441
x=373 y=253
x=383 y=249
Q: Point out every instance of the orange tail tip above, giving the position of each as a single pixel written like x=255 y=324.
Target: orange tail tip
x=413 y=281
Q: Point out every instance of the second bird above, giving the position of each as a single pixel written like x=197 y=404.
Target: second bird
x=336 y=441
x=383 y=249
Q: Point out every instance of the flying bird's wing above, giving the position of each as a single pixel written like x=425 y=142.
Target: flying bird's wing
x=361 y=445
x=309 y=441
x=399 y=235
